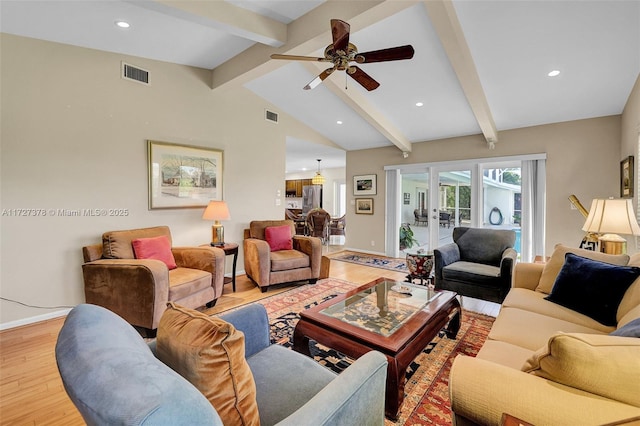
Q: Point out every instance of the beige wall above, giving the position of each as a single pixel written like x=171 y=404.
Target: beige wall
x=583 y=158
x=630 y=141
x=631 y=123
x=74 y=137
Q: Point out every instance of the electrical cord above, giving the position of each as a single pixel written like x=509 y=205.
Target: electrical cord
x=35 y=306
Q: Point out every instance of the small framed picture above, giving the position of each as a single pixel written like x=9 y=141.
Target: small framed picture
x=407 y=198
x=364 y=206
x=626 y=177
x=364 y=185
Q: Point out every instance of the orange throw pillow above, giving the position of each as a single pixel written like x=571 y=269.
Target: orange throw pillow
x=209 y=353
x=158 y=248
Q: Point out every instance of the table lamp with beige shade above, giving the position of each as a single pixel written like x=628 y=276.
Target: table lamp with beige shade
x=217 y=211
x=609 y=218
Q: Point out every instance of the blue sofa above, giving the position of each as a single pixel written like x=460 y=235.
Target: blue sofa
x=113 y=377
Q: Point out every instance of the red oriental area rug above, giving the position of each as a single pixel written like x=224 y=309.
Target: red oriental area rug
x=426 y=392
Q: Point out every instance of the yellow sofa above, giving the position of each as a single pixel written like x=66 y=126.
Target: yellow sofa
x=549 y=365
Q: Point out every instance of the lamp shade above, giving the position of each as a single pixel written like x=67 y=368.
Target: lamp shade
x=318 y=179
x=216 y=210
x=612 y=216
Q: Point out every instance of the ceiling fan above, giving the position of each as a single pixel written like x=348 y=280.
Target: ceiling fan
x=341 y=53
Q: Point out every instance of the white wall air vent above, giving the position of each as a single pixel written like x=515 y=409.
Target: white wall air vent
x=271 y=116
x=130 y=72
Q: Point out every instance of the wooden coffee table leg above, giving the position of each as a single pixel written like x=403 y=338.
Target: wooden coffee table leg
x=454 y=324
x=394 y=392
x=300 y=339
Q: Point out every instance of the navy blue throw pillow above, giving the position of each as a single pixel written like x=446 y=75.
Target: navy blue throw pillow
x=591 y=287
x=630 y=329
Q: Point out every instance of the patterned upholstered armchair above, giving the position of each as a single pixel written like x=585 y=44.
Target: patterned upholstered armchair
x=117 y=277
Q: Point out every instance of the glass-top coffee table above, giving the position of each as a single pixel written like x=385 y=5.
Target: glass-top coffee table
x=396 y=318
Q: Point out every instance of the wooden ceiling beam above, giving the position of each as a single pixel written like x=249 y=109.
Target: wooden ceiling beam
x=355 y=100
x=225 y=17
x=445 y=21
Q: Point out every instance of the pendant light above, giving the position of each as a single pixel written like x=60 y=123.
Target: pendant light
x=318 y=179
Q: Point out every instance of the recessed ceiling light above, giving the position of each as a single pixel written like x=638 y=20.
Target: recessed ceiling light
x=122 y=24
x=338 y=122
x=554 y=73
x=419 y=104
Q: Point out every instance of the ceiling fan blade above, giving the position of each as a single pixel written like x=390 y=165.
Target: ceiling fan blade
x=383 y=55
x=298 y=58
x=319 y=79
x=340 y=33
x=363 y=78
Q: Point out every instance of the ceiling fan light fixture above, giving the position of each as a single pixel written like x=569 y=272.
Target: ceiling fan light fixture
x=339 y=122
x=554 y=73
x=341 y=53
x=122 y=24
x=419 y=104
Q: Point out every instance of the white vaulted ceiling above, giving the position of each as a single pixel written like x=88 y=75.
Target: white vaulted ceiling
x=479 y=66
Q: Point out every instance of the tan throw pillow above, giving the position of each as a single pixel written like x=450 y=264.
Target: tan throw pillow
x=209 y=353
x=553 y=266
x=604 y=365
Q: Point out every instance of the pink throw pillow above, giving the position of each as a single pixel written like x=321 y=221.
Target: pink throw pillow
x=279 y=237
x=158 y=248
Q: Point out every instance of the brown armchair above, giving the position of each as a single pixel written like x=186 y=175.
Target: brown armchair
x=138 y=289
x=266 y=267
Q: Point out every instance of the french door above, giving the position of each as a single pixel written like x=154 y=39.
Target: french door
x=488 y=193
x=451 y=202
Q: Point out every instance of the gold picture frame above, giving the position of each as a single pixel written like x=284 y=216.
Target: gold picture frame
x=183 y=176
x=364 y=205
x=626 y=177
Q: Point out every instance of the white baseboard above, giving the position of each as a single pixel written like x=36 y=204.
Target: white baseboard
x=33 y=320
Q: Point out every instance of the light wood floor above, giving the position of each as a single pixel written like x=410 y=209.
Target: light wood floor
x=31 y=391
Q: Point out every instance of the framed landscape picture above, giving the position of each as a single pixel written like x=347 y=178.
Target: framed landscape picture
x=182 y=176
x=364 y=206
x=626 y=177
x=364 y=185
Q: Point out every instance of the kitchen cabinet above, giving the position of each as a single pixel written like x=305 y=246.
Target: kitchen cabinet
x=293 y=187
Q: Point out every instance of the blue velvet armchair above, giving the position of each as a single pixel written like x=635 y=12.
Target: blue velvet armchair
x=479 y=263
x=113 y=377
